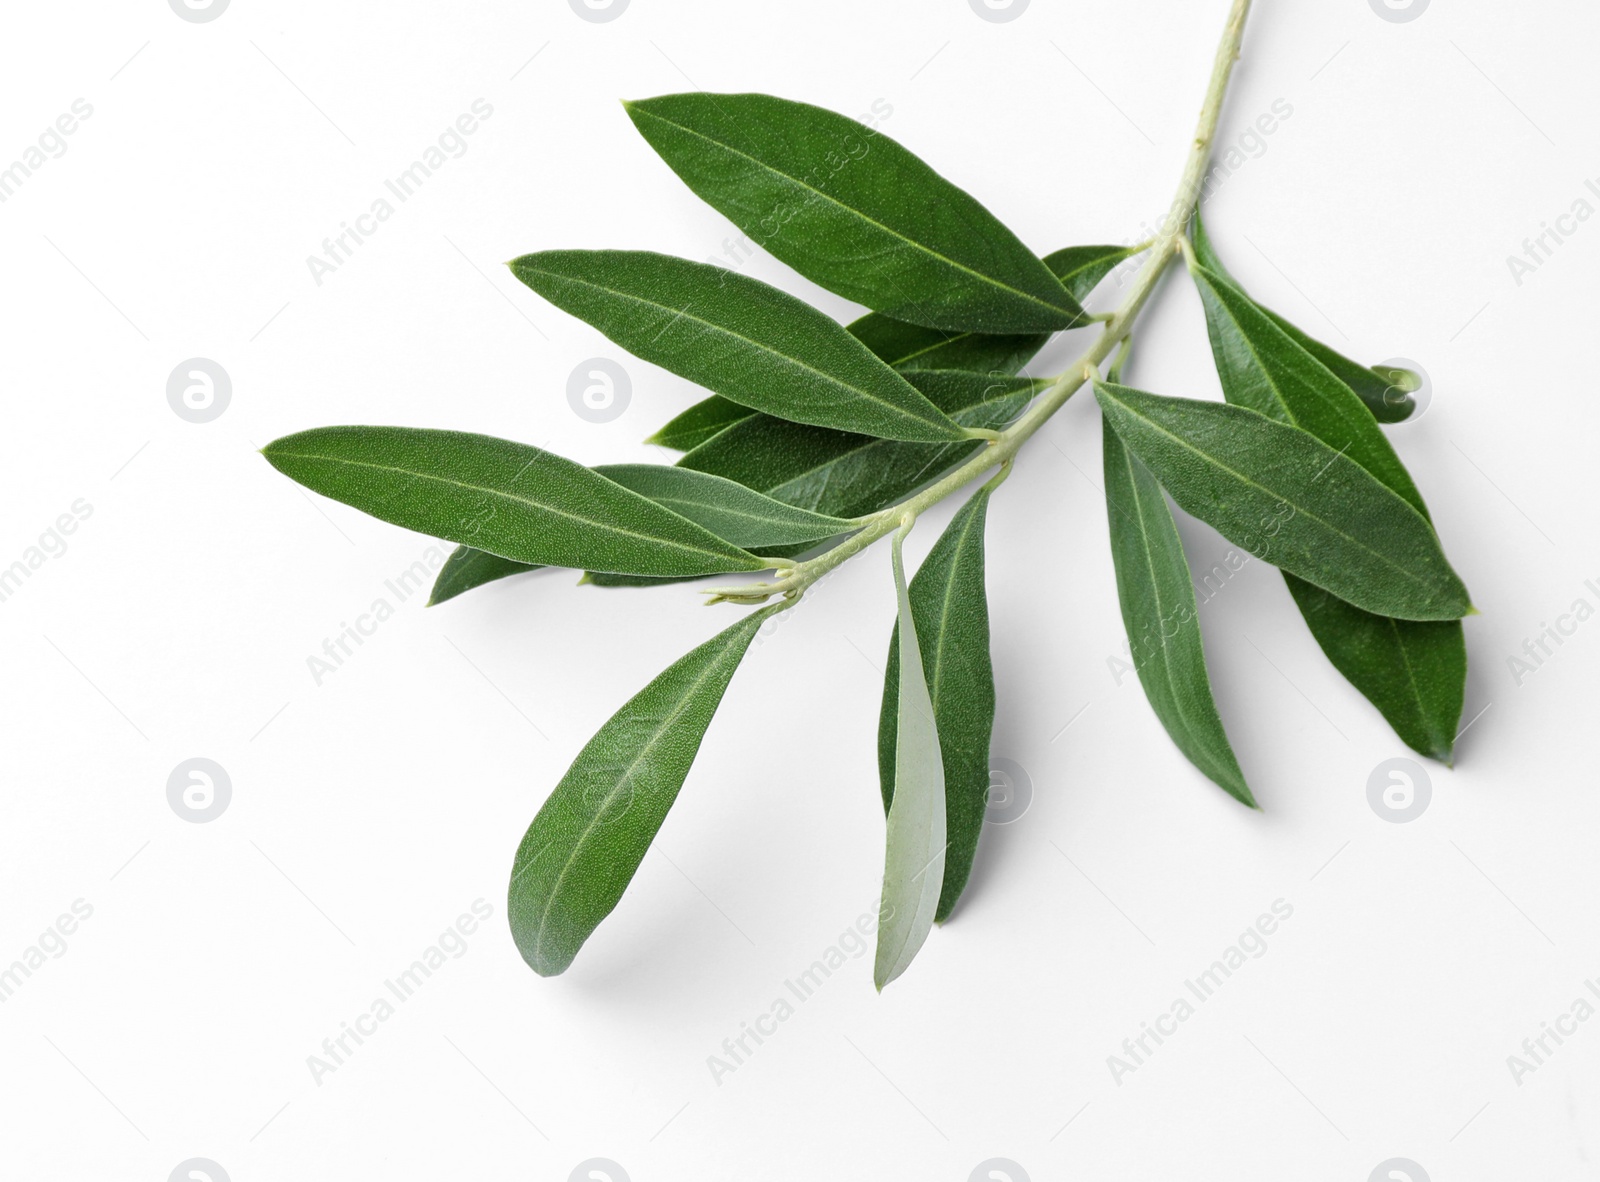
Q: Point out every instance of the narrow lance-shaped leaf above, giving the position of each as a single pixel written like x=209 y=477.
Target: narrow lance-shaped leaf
x=1263 y=368
x=1414 y=672
x=509 y=499
x=1162 y=618
x=1082 y=268
x=704 y=420
x=728 y=509
x=847 y=475
x=736 y=514
x=854 y=211
x=588 y=839
x=1290 y=499
x=1384 y=391
x=467 y=568
x=910 y=347
x=913 y=868
x=951 y=610
x=736 y=336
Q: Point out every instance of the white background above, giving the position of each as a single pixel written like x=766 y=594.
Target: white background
x=370 y=810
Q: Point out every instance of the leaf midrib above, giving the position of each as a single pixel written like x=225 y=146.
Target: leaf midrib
x=913 y=243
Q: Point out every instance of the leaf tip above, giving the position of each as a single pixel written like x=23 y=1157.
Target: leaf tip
x=1471 y=611
x=586 y=580
x=1440 y=747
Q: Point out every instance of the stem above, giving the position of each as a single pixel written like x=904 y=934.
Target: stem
x=793 y=579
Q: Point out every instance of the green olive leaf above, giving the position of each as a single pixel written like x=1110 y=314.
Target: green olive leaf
x=828 y=472
x=845 y=475
x=1263 y=368
x=910 y=347
x=855 y=212
x=588 y=839
x=851 y=475
x=1383 y=390
x=1162 y=618
x=1290 y=499
x=467 y=568
x=736 y=336
x=699 y=423
x=509 y=499
x=1082 y=268
x=950 y=606
x=913 y=866
x=1414 y=672
x=734 y=513
x=728 y=509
